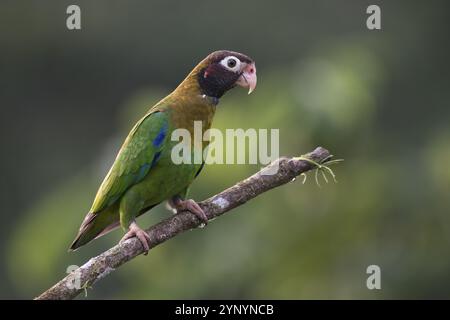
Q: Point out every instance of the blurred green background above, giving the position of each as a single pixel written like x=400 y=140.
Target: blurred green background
x=378 y=99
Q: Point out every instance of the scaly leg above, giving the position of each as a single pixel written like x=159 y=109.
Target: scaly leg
x=135 y=231
x=190 y=205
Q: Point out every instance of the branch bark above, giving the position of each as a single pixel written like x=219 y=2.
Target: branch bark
x=100 y=266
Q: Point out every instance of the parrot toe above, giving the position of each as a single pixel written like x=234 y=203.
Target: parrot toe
x=143 y=237
x=193 y=207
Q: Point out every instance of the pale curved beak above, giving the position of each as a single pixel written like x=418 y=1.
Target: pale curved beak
x=248 y=77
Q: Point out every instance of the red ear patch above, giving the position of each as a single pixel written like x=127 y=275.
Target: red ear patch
x=205 y=75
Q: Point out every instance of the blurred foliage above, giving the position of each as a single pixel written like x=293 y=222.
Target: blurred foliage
x=379 y=99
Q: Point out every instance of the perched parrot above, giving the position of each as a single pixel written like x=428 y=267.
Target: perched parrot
x=143 y=173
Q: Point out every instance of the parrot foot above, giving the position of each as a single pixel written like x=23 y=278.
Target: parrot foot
x=135 y=231
x=190 y=205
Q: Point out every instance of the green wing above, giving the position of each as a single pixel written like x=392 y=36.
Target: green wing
x=139 y=153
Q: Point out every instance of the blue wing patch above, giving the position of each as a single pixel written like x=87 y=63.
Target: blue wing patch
x=161 y=135
x=155 y=159
x=143 y=170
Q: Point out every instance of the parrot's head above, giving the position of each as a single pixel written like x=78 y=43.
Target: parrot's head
x=222 y=70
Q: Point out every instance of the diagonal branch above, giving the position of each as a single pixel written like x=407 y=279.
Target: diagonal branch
x=100 y=266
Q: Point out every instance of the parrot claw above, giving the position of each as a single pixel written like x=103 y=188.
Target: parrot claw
x=143 y=237
x=193 y=207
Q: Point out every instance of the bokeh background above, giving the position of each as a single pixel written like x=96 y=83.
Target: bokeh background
x=378 y=99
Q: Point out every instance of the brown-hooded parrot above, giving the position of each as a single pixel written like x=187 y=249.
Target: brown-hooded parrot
x=143 y=173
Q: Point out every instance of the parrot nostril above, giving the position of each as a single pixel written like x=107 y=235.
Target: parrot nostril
x=251 y=70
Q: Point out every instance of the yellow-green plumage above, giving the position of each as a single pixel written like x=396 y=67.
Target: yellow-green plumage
x=143 y=174
x=130 y=186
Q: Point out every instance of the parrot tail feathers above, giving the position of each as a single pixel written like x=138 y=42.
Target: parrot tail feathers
x=84 y=236
x=98 y=224
x=108 y=229
x=94 y=226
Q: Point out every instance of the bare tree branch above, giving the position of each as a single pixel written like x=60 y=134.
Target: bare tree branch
x=100 y=266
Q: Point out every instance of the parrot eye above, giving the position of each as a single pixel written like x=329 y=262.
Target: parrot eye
x=231 y=63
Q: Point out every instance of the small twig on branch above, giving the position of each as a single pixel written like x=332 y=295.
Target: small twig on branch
x=103 y=264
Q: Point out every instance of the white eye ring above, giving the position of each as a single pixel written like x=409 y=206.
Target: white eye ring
x=231 y=63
